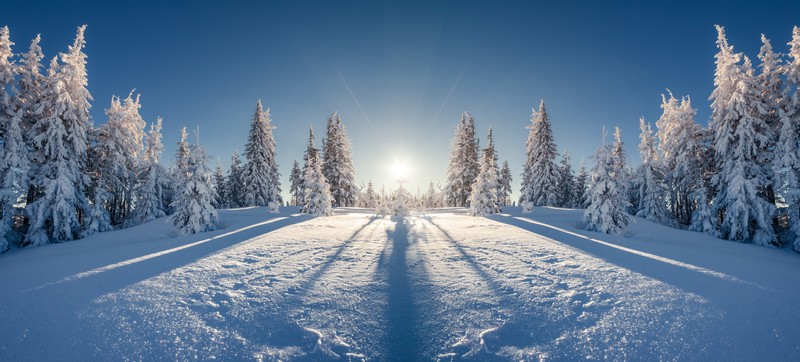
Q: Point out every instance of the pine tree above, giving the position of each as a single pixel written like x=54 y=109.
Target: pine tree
x=317 y=194
x=192 y=204
x=463 y=165
x=13 y=154
x=370 y=198
x=787 y=160
x=400 y=201
x=307 y=156
x=152 y=178
x=483 y=199
x=566 y=182
x=505 y=184
x=581 y=187
x=296 y=180
x=740 y=136
x=60 y=137
x=540 y=179
x=651 y=189
x=338 y=163
x=261 y=176
x=235 y=183
x=607 y=211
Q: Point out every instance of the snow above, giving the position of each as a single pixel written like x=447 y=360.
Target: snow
x=435 y=285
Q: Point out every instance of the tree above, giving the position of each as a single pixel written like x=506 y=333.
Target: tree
x=740 y=136
x=463 y=165
x=540 y=178
x=607 y=211
x=261 y=176
x=787 y=160
x=317 y=193
x=13 y=154
x=338 y=163
x=192 y=204
x=296 y=180
x=566 y=182
x=483 y=199
x=152 y=178
x=581 y=187
x=651 y=190
x=235 y=183
x=400 y=201
x=119 y=143
x=369 y=197
x=307 y=159
x=505 y=184
x=221 y=199
x=60 y=135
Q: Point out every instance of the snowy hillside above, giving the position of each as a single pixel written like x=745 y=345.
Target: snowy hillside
x=440 y=285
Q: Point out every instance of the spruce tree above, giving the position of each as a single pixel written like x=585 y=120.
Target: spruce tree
x=317 y=194
x=235 y=183
x=581 y=187
x=13 y=154
x=463 y=165
x=261 y=176
x=566 y=182
x=338 y=163
x=220 y=192
x=787 y=160
x=740 y=136
x=607 y=210
x=193 y=212
x=540 y=179
x=308 y=154
x=651 y=191
x=370 y=198
x=296 y=180
x=152 y=178
x=483 y=199
x=505 y=184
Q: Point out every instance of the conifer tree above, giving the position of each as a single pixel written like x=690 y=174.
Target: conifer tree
x=581 y=187
x=787 y=160
x=193 y=212
x=317 y=194
x=13 y=153
x=296 y=180
x=740 y=136
x=221 y=199
x=463 y=165
x=235 y=184
x=483 y=199
x=338 y=163
x=152 y=178
x=370 y=198
x=651 y=189
x=566 y=182
x=308 y=154
x=261 y=176
x=505 y=184
x=540 y=179
x=607 y=210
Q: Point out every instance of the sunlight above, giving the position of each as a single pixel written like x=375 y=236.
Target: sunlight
x=401 y=170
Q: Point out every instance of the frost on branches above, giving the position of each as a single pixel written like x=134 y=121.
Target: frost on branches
x=261 y=176
x=607 y=211
x=338 y=163
x=463 y=167
x=541 y=175
x=650 y=182
x=193 y=211
x=483 y=199
x=740 y=135
x=152 y=178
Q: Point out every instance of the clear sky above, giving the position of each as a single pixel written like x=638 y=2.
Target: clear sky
x=411 y=67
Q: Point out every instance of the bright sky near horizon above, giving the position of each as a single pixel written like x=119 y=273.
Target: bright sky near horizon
x=400 y=73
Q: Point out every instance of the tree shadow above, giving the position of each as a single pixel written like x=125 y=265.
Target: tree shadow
x=403 y=341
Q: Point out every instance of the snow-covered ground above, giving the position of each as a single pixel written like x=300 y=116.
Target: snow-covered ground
x=439 y=285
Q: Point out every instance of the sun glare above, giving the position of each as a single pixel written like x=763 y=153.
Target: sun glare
x=400 y=169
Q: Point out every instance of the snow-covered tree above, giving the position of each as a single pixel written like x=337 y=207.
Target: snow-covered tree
x=152 y=178
x=505 y=184
x=193 y=212
x=540 y=177
x=607 y=211
x=740 y=136
x=483 y=199
x=338 y=163
x=581 y=187
x=308 y=154
x=463 y=164
x=61 y=138
x=787 y=160
x=261 y=177
x=235 y=183
x=220 y=193
x=369 y=199
x=13 y=154
x=296 y=181
x=651 y=191
x=566 y=182
x=119 y=143
x=400 y=201
x=432 y=197
x=317 y=199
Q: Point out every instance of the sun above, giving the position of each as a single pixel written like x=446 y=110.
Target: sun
x=401 y=170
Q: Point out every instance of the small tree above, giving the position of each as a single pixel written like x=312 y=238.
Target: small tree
x=317 y=194
x=194 y=212
x=483 y=199
x=607 y=211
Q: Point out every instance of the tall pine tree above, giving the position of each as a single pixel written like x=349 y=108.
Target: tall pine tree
x=261 y=176
x=540 y=178
x=338 y=163
x=463 y=165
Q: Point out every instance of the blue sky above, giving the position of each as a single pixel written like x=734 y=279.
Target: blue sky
x=205 y=63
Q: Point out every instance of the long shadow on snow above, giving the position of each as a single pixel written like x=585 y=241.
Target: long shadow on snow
x=94 y=285
x=404 y=343
x=518 y=328
x=699 y=280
